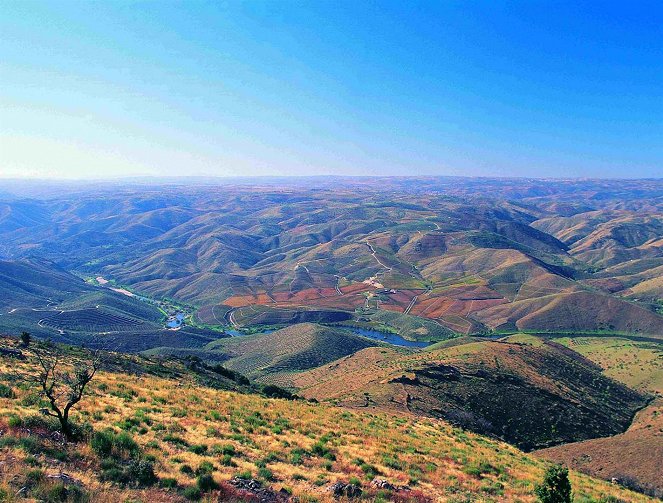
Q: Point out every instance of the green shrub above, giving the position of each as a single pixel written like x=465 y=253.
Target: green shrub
x=265 y=473
x=59 y=493
x=141 y=473
x=135 y=472
x=126 y=444
x=15 y=421
x=6 y=391
x=555 y=487
x=192 y=493
x=246 y=475
x=198 y=449
x=168 y=483
x=320 y=449
x=206 y=482
x=102 y=443
x=8 y=441
x=30 y=445
x=186 y=470
x=174 y=439
x=370 y=470
x=205 y=467
x=33 y=477
x=228 y=449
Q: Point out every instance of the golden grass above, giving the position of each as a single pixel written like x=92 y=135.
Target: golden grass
x=288 y=439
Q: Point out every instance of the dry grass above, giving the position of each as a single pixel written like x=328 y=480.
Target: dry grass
x=296 y=445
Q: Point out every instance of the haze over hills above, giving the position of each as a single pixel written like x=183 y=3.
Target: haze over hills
x=474 y=255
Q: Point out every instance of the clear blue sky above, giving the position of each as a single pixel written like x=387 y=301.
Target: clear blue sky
x=531 y=88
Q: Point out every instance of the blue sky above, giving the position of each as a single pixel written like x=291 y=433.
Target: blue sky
x=531 y=88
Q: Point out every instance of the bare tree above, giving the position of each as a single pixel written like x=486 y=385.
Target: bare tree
x=61 y=379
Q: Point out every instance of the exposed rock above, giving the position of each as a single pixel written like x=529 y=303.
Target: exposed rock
x=255 y=491
x=388 y=486
x=340 y=490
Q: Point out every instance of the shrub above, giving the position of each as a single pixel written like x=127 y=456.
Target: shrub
x=227 y=460
x=370 y=470
x=265 y=473
x=168 y=483
x=33 y=477
x=205 y=467
x=192 y=493
x=555 y=487
x=106 y=443
x=15 y=421
x=206 y=482
x=6 y=391
x=102 y=443
x=198 y=449
x=186 y=470
x=228 y=449
x=59 y=493
x=141 y=473
x=124 y=443
x=320 y=449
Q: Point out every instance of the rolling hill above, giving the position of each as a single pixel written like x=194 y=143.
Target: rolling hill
x=265 y=357
x=526 y=390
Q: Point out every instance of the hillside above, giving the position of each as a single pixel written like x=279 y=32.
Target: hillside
x=525 y=390
x=252 y=447
x=42 y=298
x=289 y=350
x=629 y=457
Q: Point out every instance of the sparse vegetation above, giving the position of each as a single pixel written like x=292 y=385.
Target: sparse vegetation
x=315 y=447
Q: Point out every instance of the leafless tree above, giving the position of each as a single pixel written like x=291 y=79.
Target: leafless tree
x=61 y=379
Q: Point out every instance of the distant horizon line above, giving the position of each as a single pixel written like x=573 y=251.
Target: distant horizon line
x=156 y=178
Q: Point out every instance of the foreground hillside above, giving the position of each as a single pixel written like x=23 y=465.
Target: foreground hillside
x=529 y=391
x=635 y=455
x=197 y=438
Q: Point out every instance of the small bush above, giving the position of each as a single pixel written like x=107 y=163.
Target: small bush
x=227 y=460
x=555 y=487
x=205 y=467
x=192 y=493
x=265 y=473
x=102 y=443
x=198 y=449
x=126 y=444
x=141 y=473
x=15 y=421
x=206 y=482
x=168 y=483
x=6 y=391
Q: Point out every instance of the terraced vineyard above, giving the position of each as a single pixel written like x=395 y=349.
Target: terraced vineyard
x=90 y=320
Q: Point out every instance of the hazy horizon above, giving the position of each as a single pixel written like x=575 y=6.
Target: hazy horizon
x=138 y=89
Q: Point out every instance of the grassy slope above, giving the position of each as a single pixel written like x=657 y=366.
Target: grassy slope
x=292 y=349
x=438 y=461
x=526 y=393
x=634 y=453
